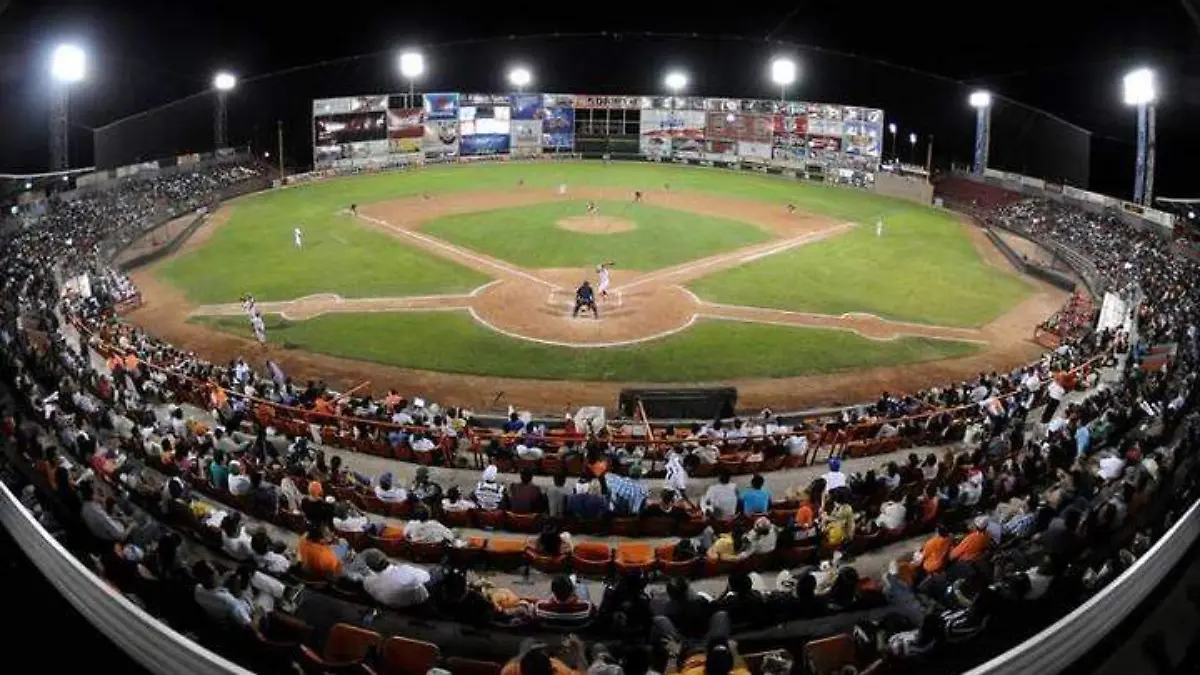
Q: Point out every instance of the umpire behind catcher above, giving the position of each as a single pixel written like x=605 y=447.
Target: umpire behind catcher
x=585 y=297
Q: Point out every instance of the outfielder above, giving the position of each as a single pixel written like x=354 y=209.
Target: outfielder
x=879 y=227
x=585 y=298
x=591 y=209
x=298 y=238
x=637 y=196
x=562 y=189
x=260 y=329
x=603 y=270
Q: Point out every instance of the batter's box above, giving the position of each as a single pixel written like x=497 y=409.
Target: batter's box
x=565 y=298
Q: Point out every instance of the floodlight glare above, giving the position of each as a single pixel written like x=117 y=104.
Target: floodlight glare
x=676 y=81
x=69 y=64
x=1192 y=214
x=892 y=128
x=520 y=77
x=783 y=71
x=267 y=154
x=730 y=117
x=28 y=185
x=1139 y=87
x=412 y=64
x=912 y=138
x=980 y=99
x=224 y=81
x=14 y=210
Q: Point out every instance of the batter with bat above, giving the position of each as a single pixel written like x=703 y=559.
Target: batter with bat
x=603 y=270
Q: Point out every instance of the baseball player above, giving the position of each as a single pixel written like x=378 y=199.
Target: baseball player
x=260 y=329
x=591 y=209
x=354 y=210
x=562 y=189
x=520 y=182
x=298 y=238
x=585 y=297
x=879 y=227
x=603 y=270
x=637 y=196
x=791 y=208
x=248 y=305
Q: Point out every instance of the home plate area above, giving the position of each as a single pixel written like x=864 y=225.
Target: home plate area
x=561 y=301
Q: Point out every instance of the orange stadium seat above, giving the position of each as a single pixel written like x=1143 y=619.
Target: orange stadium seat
x=670 y=567
x=591 y=559
x=345 y=646
x=545 y=563
x=633 y=557
x=460 y=666
x=405 y=656
x=523 y=522
x=505 y=553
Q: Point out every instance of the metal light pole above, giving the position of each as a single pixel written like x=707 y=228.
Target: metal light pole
x=68 y=65
x=279 y=134
x=223 y=83
x=412 y=66
x=895 y=143
x=981 y=101
x=1140 y=91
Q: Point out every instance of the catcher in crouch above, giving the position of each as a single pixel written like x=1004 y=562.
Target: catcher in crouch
x=585 y=297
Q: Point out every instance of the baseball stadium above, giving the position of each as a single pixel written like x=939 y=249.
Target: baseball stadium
x=533 y=383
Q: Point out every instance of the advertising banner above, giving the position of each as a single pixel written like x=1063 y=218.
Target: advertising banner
x=526 y=106
x=183 y=160
x=350 y=128
x=790 y=124
x=406 y=129
x=793 y=149
x=754 y=127
x=558 y=100
x=861 y=138
x=441 y=106
x=754 y=149
x=664 y=131
x=344 y=154
x=441 y=137
x=349 y=104
x=558 y=128
x=484 y=144
x=527 y=134
x=608 y=102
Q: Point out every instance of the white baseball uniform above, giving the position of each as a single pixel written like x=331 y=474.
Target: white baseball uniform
x=879 y=228
x=260 y=330
x=298 y=237
x=248 y=306
x=562 y=188
x=603 y=286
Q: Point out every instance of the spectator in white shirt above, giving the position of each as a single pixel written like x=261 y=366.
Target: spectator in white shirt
x=721 y=498
x=677 y=475
x=455 y=502
x=891 y=516
x=421 y=443
x=1112 y=467
x=422 y=530
x=834 y=478
x=239 y=483
x=234 y=539
x=392 y=585
x=797 y=445
x=529 y=451
x=388 y=492
x=267 y=560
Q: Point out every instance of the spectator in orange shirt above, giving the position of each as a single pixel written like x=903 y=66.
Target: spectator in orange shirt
x=935 y=552
x=805 y=514
x=974 y=546
x=318 y=555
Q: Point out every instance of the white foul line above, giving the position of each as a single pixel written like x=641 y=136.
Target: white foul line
x=458 y=251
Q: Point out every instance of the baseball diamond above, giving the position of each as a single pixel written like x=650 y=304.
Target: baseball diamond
x=466 y=277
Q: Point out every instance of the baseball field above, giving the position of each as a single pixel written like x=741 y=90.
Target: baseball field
x=463 y=279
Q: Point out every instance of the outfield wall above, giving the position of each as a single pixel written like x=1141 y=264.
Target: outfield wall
x=382 y=130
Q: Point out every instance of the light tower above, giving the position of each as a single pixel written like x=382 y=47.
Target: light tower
x=783 y=73
x=981 y=101
x=895 y=148
x=68 y=65
x=676 y=82
x=412 y=66
x=1140 y=91
x=912 y=147
x=223 y=83
x=520 y=77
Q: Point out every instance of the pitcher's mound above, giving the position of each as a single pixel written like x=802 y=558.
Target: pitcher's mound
x=596 y=224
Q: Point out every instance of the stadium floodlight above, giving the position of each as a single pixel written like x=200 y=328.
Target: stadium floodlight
x=1192 y=215
x=912 y=139
x=783 y=73
x=892 y=128
x=676 y=81
x=68 y=64
x=14 y=210
x=224 y=81
x=980 y=99
x=28 y=185
x=520 y=77
x=1140 y=87
x=267 y=154
x=412 y=66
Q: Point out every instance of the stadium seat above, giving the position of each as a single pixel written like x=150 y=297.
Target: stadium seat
x=830 y=655
x=523 y=522
x=395 y=547
x=552 y=466
x=592 y=559
x=796 y=556
x=489 y=520
x=632 y=557
x=454 y=519
x=404 y=656
x=345 y=647
x=545 y=563
x=624 y=527
x=670 y=567
x=426 y=553
x=658 y=527
x=530 y=464
x=504 y=553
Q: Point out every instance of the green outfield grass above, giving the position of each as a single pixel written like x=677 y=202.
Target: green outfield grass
x=923 y=269
x=527 y=235
x=709 y=351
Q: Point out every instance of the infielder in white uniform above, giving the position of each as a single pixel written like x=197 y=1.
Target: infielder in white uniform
x=879 y=228
x=260 y=329
x=249 y=306
x=603 y=270
x=298 y=238
x=562 y=189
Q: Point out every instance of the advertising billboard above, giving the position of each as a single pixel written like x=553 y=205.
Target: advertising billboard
x=484 y=144
x=441 y=106
x=558 y=128
x=730 y=126
x=666 y=131
x=526 y=106
x=406 y=129
x=441 y=137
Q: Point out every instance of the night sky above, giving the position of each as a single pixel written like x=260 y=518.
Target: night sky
x=1065 y=58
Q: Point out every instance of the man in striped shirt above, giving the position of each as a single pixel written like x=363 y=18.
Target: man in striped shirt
x=488 y=493
x=626 y=497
